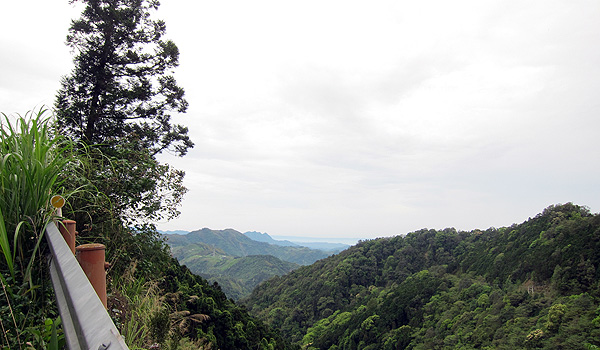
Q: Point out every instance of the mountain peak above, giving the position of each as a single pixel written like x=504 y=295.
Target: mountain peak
x=264 y=237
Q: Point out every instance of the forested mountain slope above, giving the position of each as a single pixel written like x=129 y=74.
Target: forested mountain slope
x=203 y=313
x=533 y=285
x=298 y=242
x=237 y=276
x=235 y=261
x=235 y=243
x=156 y=301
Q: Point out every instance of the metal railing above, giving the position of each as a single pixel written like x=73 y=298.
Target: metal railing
x=86 y=322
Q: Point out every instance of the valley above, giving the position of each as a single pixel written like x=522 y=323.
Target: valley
x=239 y=262
x=532 y=285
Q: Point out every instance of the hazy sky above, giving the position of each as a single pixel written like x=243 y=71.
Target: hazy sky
x=361 y=119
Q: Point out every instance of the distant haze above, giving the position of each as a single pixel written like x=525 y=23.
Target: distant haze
x=300 y=240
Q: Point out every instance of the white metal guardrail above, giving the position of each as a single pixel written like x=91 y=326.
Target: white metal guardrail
x=86 y=322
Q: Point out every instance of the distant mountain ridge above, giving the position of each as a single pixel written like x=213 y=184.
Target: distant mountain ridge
x=235 y=261
x=264 y=237
x=234 y=243
x=324 y=246
x=174 y=232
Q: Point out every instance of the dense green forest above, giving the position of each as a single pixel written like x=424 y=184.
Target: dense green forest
x=533 y=285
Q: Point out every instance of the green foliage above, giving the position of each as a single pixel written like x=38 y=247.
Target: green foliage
x=50 y=336
x=30 y=164
x=237 y=276
x=122 y=195
x=202 y=313
x=135 y=187
x=137 y=306
x=159 y=325
x=533 y=285
x=178 y=309
x=31 y=160
x=115 y=104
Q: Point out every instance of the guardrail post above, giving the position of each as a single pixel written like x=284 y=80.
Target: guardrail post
x=67 y=230
x=91 y=258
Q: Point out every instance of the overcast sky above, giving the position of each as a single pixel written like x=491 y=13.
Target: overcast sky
x=360 y=119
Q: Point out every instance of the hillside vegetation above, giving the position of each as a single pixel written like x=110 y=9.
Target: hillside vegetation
x=533 y=285
x=237 y=276
x=237 y=262
x=236 y=243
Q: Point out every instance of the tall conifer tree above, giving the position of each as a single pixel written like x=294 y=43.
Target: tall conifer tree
x=122 y=88
x=117 y=102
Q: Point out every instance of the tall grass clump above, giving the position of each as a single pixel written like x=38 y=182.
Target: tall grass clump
x=32 y=158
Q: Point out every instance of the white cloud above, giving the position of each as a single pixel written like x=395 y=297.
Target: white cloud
x=365 y=119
